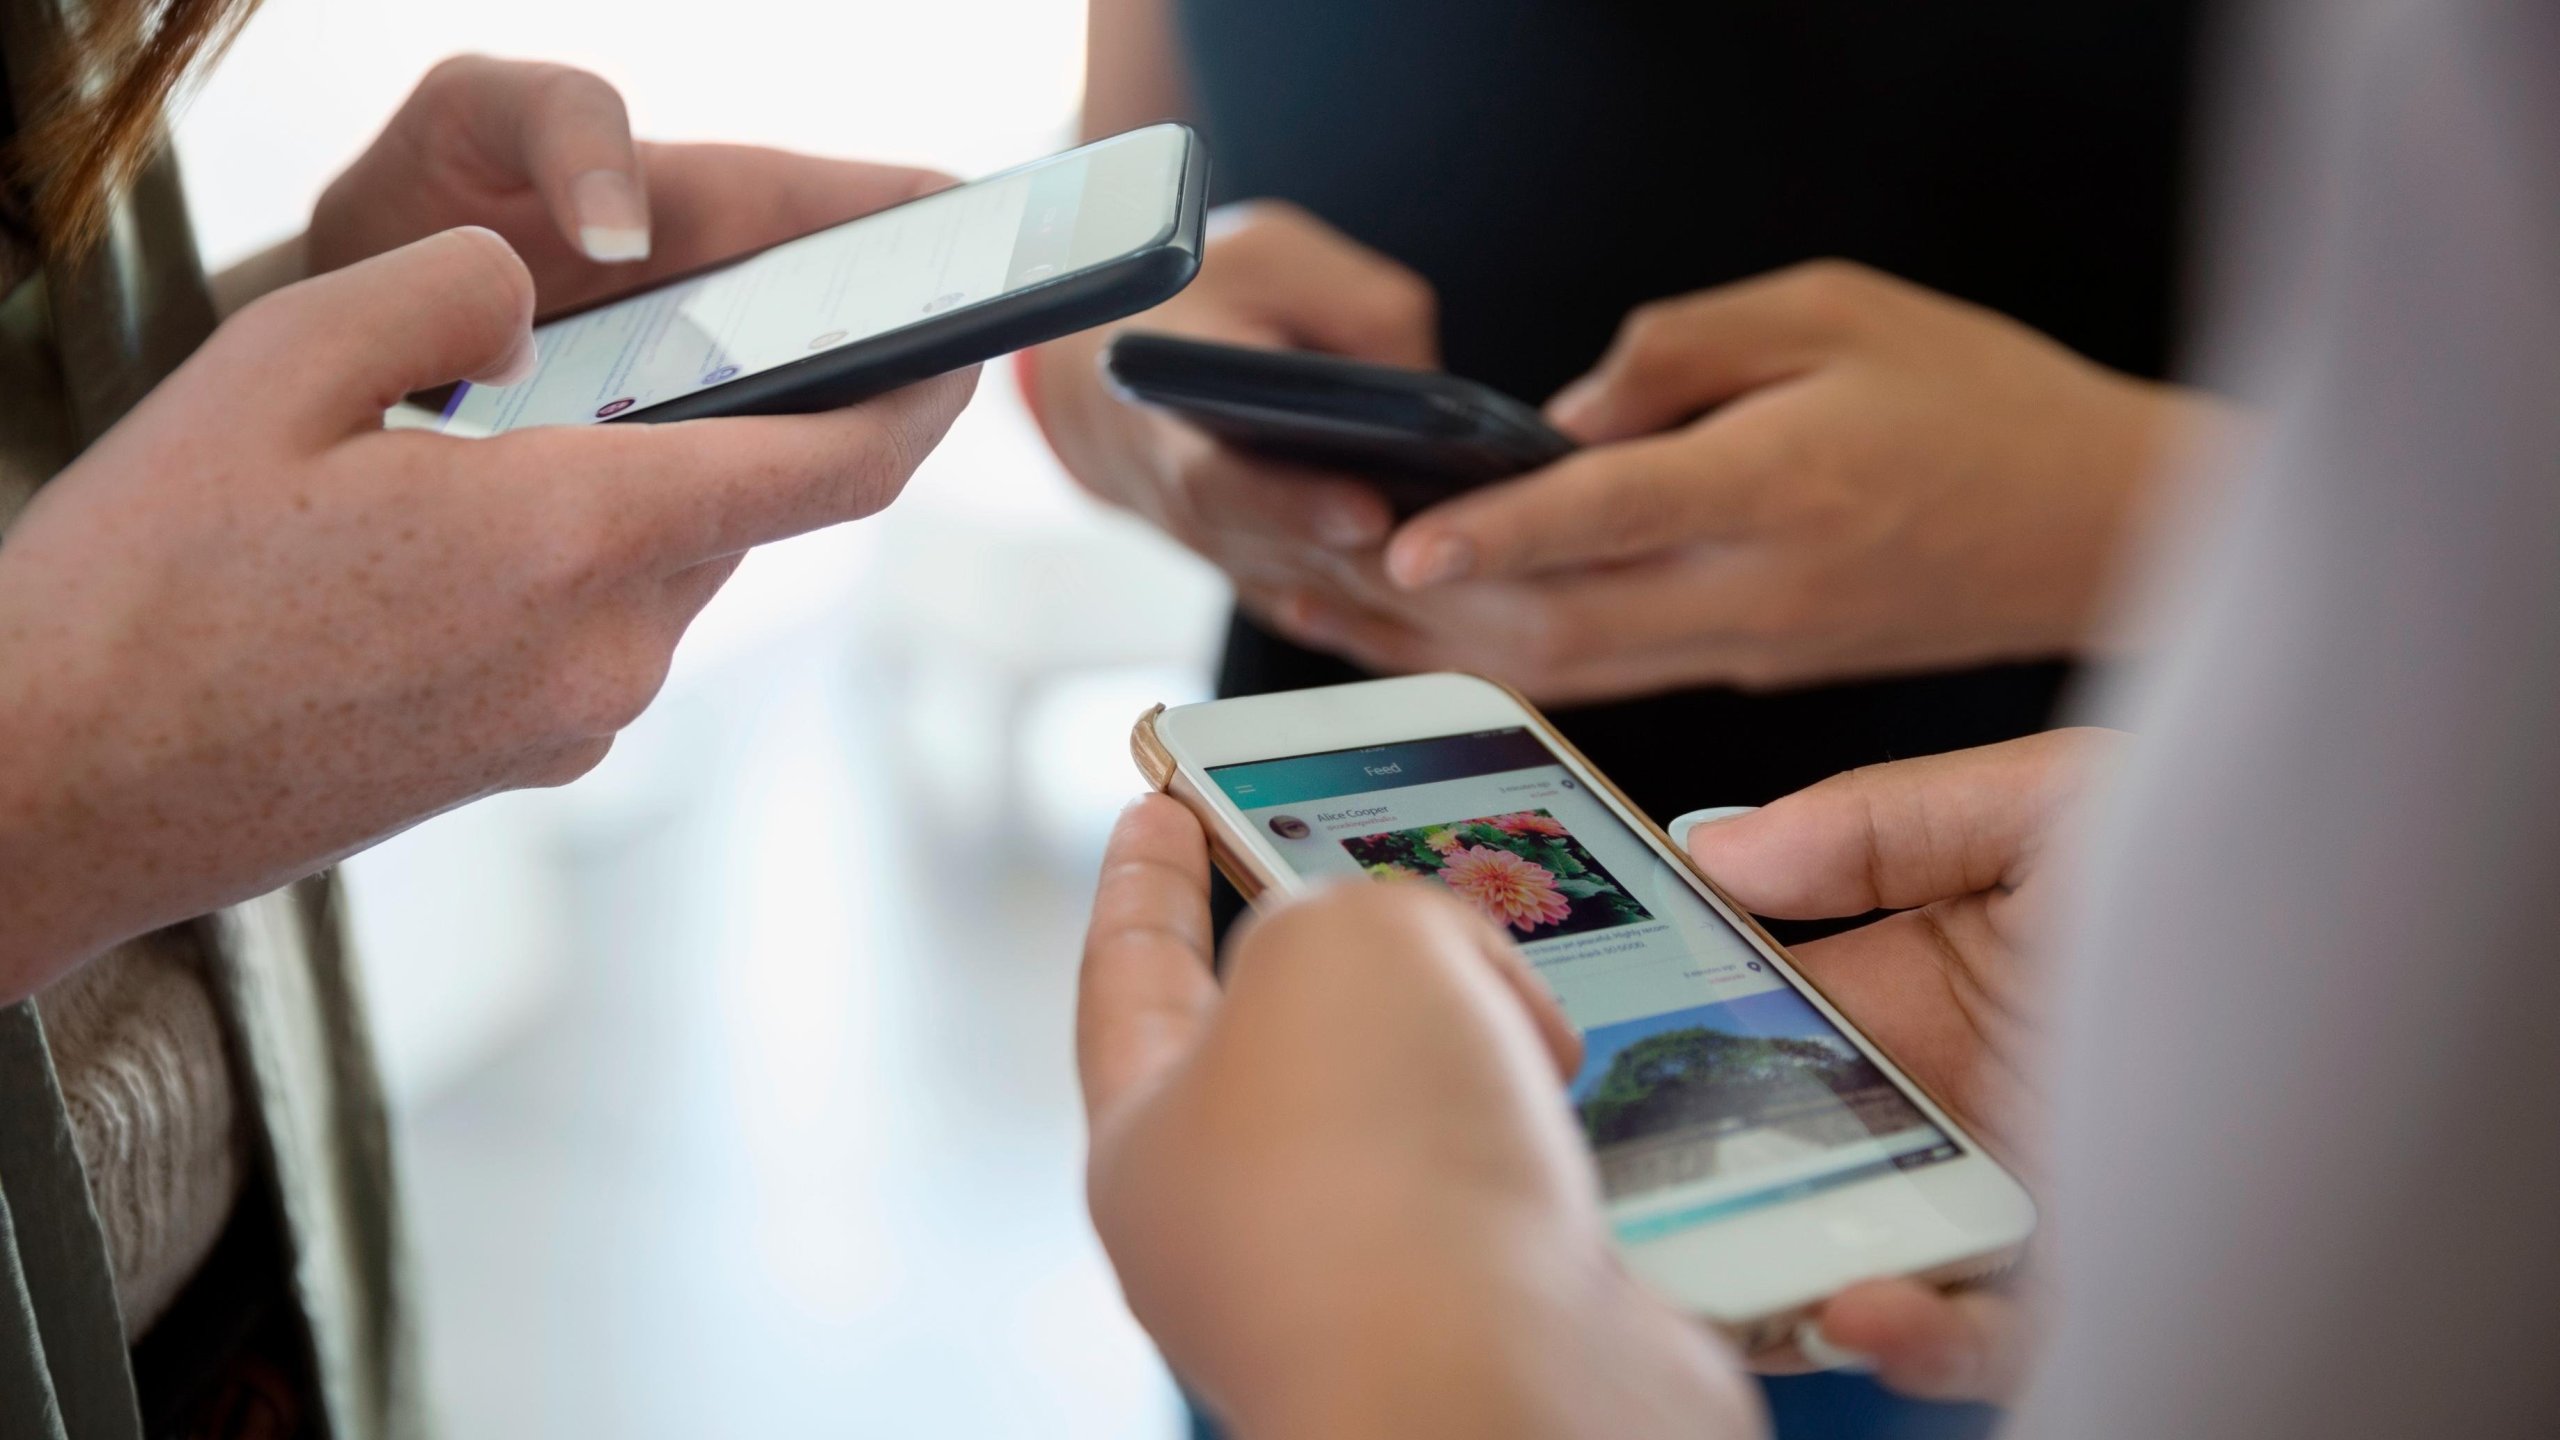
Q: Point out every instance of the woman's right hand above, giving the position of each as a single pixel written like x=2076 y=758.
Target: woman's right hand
x=1343 y=1191
x=251 y=631
x=1273 y=275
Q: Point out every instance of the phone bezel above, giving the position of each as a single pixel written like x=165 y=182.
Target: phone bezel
x=1755 y=1273
x=1112 y=289
x=1420 y=436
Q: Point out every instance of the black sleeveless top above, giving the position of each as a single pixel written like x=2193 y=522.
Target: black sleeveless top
x=1549 y=164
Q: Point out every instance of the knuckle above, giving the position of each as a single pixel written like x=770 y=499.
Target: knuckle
x=1649 y=334
x=602 y=696
x=477 y=283
x=577 y=546
x=569 y=762
x=1541 y=640
x=271 y=316
x=1405 y=300
x=454 y=73
x=567 y=86
x=1837 y=293
x=1632 y=514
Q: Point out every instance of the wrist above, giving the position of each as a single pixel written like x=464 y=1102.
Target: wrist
x=44 y=881
x=79 y=831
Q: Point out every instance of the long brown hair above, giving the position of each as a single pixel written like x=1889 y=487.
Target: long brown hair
x=96 y=117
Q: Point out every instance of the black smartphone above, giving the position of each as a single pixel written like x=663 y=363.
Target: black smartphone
x=960 y=276
x=1420 y=435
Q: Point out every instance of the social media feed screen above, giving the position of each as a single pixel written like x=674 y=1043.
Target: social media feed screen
x=801 y=298
x=1710 y=1085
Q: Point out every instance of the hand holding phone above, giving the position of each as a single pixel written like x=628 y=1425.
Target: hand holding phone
x=1272 y=276
x=858 y=309
x=1352 y=1156
x=1758 y=1152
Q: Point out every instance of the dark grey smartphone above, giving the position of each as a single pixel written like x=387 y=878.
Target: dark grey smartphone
x=960 y=276
x=1420 y=435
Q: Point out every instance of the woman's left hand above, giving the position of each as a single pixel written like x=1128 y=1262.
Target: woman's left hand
x=543 y=155
x=1816 y=475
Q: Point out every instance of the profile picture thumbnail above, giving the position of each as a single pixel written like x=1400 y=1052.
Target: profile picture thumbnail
x=1290 y=827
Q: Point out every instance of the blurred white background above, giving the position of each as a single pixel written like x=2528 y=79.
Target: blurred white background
x=734 y=1081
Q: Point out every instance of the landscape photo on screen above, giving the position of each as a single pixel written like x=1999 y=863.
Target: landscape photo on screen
x=1524 y=870
x=1735 y=1087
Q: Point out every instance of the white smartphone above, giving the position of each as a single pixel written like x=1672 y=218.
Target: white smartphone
x=1758 y=1154
x=960 y=276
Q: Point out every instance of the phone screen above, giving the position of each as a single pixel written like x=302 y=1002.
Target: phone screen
x=1711 y=1086
x=902 y=266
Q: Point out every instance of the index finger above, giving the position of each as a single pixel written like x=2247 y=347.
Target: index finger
x=1147 y=986
x=569 y=136
x=1606 y=504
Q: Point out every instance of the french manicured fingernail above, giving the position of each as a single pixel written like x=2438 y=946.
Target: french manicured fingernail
x=1435 y=561
x=519 y=365
x=1813 y=1347
x=1349 y=527
x=613 y=221
x=1681 y=827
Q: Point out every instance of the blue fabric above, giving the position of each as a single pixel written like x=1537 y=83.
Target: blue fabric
x=1854 y=1407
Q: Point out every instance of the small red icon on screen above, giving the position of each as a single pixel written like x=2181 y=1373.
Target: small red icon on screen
x=612 y=408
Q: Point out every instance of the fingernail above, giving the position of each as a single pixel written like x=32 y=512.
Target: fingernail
x=1349 y=527
x=1572 y=406
x=1435 y=561
x=1713 y=815
x=519 y=365
x=613 y=221
x=1811 y=1344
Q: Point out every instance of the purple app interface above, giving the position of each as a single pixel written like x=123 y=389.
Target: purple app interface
x=810 y=295
x=1710 y=1085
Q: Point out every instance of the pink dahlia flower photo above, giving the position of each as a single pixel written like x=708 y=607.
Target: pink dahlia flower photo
x=1515 y=892
x=1529 y=822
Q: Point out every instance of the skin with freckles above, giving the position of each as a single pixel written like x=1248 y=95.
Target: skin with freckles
x=250 y=631
x=1343 y=1192
x=1951 y=987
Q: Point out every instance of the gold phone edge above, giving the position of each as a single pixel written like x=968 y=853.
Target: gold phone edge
x=1752 y=1335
